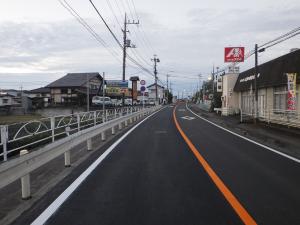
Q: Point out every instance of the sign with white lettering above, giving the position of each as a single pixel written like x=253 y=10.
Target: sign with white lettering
x=234 y=54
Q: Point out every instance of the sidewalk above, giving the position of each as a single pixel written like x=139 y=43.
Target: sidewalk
x=284 y=139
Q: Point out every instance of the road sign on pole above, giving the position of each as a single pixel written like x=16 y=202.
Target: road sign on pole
x=142 y=82
x=143 y=88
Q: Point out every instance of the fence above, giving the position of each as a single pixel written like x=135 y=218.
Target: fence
x=33 y=134
x=85 y=126
x=277 y=116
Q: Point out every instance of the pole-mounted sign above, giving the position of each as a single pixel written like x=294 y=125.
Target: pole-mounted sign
x=234 y=54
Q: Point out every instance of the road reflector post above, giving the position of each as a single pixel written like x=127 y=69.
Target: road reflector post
x=103 y=136
x=126 y=123
x=67 y=155
x=25 y=181
x=120 y=126
x=89 y=144
x=113 y=131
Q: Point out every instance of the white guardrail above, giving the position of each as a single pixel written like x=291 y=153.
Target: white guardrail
x=277 y=116
x=56 y=136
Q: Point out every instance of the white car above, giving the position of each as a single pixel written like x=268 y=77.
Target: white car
x=98 y=100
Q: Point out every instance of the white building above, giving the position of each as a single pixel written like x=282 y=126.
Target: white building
x=160 y=93
x=225 y=84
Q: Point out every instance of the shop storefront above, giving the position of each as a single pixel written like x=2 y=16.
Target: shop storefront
x=278 y=83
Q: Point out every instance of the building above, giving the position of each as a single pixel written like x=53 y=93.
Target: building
x=229 y=98
x=40 y=97
x=272 y=89
x=160 y=93
x=7 y=100
x=72 y=88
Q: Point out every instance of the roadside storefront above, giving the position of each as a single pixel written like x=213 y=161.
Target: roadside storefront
x=278 y=99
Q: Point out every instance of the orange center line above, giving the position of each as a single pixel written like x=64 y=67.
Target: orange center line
x=232 y=200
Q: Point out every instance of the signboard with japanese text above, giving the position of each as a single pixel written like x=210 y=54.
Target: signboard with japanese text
x=234 y=54
x=117 y=83
x=291 y=88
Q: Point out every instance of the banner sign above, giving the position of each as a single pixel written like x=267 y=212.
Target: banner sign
x=117 y=83
x=291 y=84
x=234 y=54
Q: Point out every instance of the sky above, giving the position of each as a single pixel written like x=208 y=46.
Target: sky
x=41 y=41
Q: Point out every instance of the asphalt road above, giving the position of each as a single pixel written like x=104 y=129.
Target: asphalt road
x=153 y=177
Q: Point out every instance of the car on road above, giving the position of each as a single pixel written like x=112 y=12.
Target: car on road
x=98 y=101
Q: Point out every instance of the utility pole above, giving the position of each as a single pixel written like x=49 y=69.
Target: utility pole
x=255 y=84
x=87 y=93
x=126 y=44
x=103 y=93
x=213 y=80
x=168 y=88
x=200 y=76
x=156 y=60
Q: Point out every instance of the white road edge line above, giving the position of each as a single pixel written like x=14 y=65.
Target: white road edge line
x=247 y=139
x=52 y=208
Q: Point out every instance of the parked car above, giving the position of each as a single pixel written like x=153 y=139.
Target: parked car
x=98 y=100
x=151 y=102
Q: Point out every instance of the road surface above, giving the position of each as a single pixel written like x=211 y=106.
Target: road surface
x=155 y=176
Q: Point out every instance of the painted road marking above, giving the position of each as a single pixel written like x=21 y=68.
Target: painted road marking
x=187 y=117
x=232 y=200
x=181 y=110
x=53 y=207
x=247 y=139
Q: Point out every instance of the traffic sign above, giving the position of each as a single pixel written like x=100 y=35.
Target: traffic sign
x=143 y=88
x=142 y=82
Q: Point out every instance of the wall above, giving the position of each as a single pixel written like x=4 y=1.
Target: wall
x=230 y=103
x=56 y=111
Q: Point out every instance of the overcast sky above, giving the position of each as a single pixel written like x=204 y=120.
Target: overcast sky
x=40 y=41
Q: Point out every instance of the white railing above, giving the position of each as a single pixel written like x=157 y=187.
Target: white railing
x=277 y=116
x=33 y=134
x=21 y=167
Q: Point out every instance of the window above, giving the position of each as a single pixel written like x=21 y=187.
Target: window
x=280 y=98
x=5 y=101
x=64 y=91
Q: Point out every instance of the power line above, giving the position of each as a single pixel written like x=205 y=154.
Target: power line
x=74 y=13
x=118 y=42
x=282 y=40
x=280 y=37
x=112 y=33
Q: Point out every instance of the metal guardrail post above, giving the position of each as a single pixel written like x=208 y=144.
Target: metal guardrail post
x=52 y=123
x=115 y=113
x=241 y=111
x=78 y=122
x=120 y=126
x=103 y=136
x=89 y=144
x=113 y=131
x=4 y=139
x=67 y=154
x=95 y=118
x=126 y=123
x=25 y=181
x=106 y=114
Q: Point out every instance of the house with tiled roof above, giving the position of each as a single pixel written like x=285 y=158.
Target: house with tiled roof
x=72 y=88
